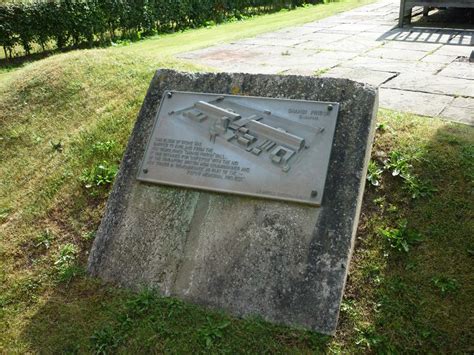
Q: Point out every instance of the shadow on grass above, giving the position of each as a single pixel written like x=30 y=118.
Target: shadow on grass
x=16 y=62
x=90 y=317
x=392 y=301
x=22 y=59
x=418 y=299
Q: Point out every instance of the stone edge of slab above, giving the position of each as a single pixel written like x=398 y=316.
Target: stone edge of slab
x=342 y=204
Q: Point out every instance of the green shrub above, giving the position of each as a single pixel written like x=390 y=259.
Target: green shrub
x=44 y=239
x=100 y=175
x=445 y=284
x=65 y=263
x=374 y=173
x=400 y=165
x=401 y=238
x=212 y=333
x=8 y=32
x=88 y=22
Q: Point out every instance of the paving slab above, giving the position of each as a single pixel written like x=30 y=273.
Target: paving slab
x=321 y=39
x=292 y=61
x=339 y=55
x=365 y=44
x=439 y=58
x=415 y=102
x=321 y=25
x=308 y=70
x=221 y=52
x=393 y=65
x=290 y=33
x=372 y=36
x=371 y=77
x=395 y=53
x=381 y=28
x=460 y=51
x=370 y=19
x=460 y=109
x=288 y=42
x=424 y=47
x=238 y=53
x=321 y=63
x=459 y=69
x=353 y=44
x=270 y=50
x=351 y=28
x=434 y=84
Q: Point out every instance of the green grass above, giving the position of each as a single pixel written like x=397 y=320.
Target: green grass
x=63 y=117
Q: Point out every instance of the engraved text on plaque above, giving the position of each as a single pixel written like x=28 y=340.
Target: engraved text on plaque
x=272 y=148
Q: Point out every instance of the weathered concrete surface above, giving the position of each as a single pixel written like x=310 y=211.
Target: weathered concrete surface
x=366 y=45
x=286 y=262
x=431 y=104
x=458 y=106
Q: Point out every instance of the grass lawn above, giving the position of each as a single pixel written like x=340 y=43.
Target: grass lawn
x=68 y=117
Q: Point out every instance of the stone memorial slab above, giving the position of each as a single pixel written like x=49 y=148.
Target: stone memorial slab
x=285 y=261
x=273 y=148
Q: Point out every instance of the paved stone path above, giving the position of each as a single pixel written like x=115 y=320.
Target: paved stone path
x=420 y=70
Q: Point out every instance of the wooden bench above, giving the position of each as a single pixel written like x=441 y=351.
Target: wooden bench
x=407 y=5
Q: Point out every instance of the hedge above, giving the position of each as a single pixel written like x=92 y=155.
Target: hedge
x=66 y=23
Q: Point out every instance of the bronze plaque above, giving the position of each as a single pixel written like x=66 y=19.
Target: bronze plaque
x=254 y=146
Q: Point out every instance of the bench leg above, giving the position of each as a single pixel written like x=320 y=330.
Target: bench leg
x=426 y=10
x=402 y=13
x=405 y=13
